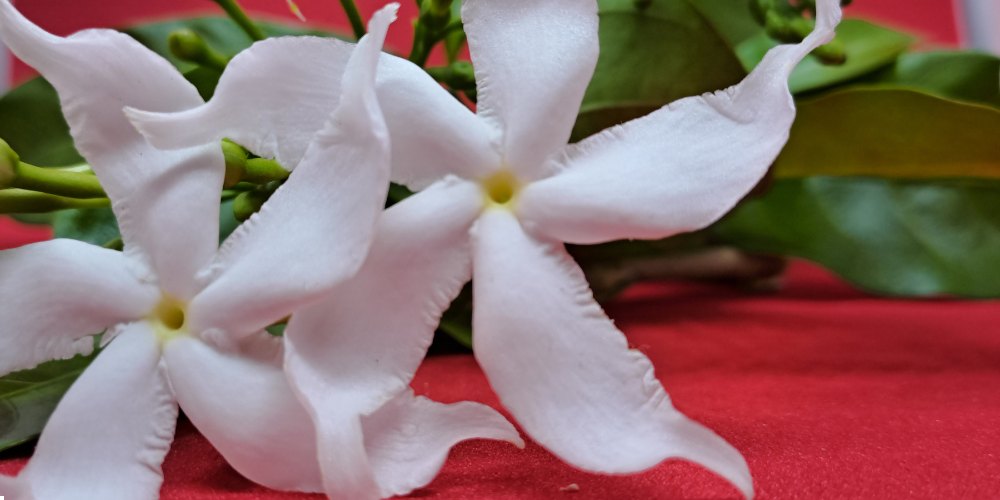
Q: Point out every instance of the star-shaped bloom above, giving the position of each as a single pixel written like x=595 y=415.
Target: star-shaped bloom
x=172 y=288
x=270 y=101
x=501 y=192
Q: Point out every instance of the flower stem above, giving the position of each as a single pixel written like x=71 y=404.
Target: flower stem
x=57 y=182
x=352 y=15
x=20 y=201
x=236 y=13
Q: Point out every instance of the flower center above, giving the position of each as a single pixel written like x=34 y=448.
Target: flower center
x=501 y=188
x=168 y=319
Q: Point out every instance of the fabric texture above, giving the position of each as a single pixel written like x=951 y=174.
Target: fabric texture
x=828 y=393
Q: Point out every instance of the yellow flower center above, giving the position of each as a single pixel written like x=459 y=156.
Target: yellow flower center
x=501 y=188
x=168 y=319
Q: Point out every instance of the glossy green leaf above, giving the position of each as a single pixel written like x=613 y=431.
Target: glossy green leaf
x=869 y=47
x=892 y=237
x=651 y=57
x=93 y=225
x=964 y=76
x=31 y=121
x=730 y=18
x=27 y=398
x=890 y=132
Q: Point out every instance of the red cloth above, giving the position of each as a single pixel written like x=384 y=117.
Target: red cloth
x=828 y=392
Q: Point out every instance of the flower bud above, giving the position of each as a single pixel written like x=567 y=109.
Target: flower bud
x=249 y=203
x=9 y=161
x=236 y=161
x=458 y=75
x=264 y=170
x=783 y=28
x=435 y=14
x=833 y=53
x=189 y=46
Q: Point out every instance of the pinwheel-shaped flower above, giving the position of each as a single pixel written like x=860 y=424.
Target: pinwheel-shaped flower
x=171 y=289
x=551 y=354
x=501 y=191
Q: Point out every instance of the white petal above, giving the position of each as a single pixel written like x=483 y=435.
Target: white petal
x=408 y=439
x=433 y=134
x=110 y=432
x=679 y=168
x=316 y=229
x=358 y=347
x=272 y=99
x=242 y=403
x=14 y=487
x=57 y=294
x=166 y=202
x=274 y=104
x=533 y=62
x=566 y=373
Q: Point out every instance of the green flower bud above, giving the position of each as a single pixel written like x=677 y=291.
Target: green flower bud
x=189 y=46
x=236 y=161
x=760 y=8
x=458 y=75
x=249 y=203
x=435 y=14
x=9 y=161
x=833 y=53
x=263 y=170
x=783 y=28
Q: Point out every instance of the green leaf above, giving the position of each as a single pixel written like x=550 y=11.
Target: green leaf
x=93 y=225
x=869 y=47
x=31 y=121
x=28 y=397
x=964 y=76
x=891 y=133
x=668 y=51
x=730 y=18
x=893 y=237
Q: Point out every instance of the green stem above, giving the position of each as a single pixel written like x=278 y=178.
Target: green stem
x=57 y=182
x=352 y=15
x=264 y=170
x=236 y=13
x=19 y=201
x=420 y=52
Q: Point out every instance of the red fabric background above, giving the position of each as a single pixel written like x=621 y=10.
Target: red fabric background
x=828 y=392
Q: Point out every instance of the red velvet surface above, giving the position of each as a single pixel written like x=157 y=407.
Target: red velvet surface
x=828 y=392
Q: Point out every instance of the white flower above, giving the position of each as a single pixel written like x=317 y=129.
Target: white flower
x=272 y=97
x=501 y=192
x=171 y=289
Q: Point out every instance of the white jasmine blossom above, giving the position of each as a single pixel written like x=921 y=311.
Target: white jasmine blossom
x=171 y=290
x=501 y=192
x=270 y=99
